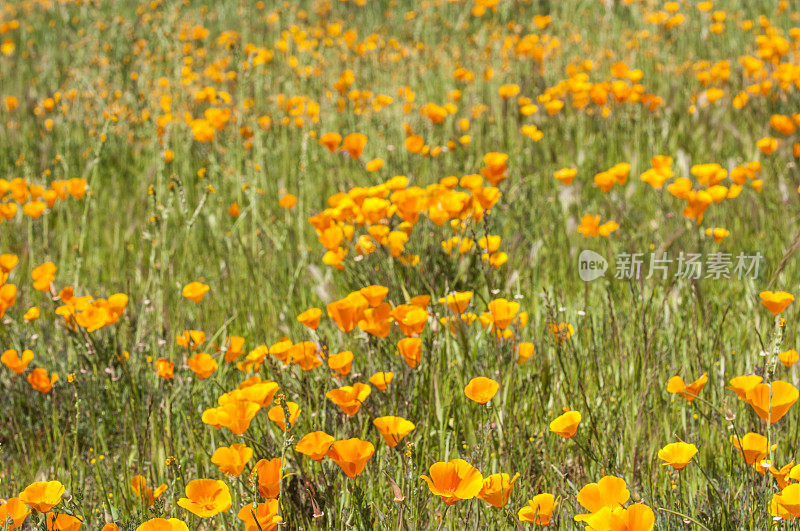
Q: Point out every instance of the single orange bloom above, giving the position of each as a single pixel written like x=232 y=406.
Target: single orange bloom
x=457 y=302
x=354 y=144
x=776 y=301
x=315 y=445
x=165 y=368
x=63 y=522
x=566 y=425
x=162 y=524
x=42 y=495
x=453 y=481
x=13 y=361
x=43 y=276
x=351 y=455
x=287 y=201
x=13 y=513
x=268 y=473
x=481 y=389
x=496 y=489
x=140 y=488
x=341 y=362
x=195 y=291
x=772 y=401
x=264 y=517
x=331 y=141
x=232 y=459
x=277 y=416
x=40 y=381
x=411 y=350
x=310 y=318
x=203 y=365
x=689 y=392
x=393 y=429
x=349 y=398
x=206 y=497
x=381 y=380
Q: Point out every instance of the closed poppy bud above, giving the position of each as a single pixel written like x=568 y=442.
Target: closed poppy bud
x=206 y=497
x=566 y=425
x=195 y=291
x=351 y=455
x=381 y=380
x=481 y=389
x=315 y=445
x=393 y=429
x=310 y=318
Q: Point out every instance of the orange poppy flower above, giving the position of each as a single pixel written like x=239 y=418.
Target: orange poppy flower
x=13 y=513
x=32 y=314
x=393 y=429
x=689 y=392
x=341 y=362
x=234 y=346
x=753 y=446
x=315 y=445
x=42 y=495
x=525 y=351
x=331 y=141
x=503 y=312
x=457 y=302
x=203 y=365
x=411 y=350
x=40 y=381
x=43 y=276
x=287 y=201
x=377 y=321
x=609 y=491
x=268 y=474
x=305 y=355
x=63 y=522
x=165 y=368
x=191 y=339
x=264 y=517
x=349 y=398
x=261 y=393
x=539 y=510
x=162 y=524
x=776 y=301
x=148 y=495
x=235 y=415
x=354 y=144
x=742 y=384
x=348 y=311
x=13 y=361
x=381 y=380
x=195 y=291
x=566 y=425
x=481 y=389
x=276 y=415
x=310 y=318
x=772 y=401
x=351 y=455
x=232 y=459
x=677 y=455
x=410 y=318
x=788 y=357
x=374 y=294
x=496 y=489
x=206 y=497
x=453 y=481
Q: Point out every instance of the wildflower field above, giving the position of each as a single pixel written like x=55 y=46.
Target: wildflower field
x=432 y=264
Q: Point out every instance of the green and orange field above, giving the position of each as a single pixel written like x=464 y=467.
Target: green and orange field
x=393 y=264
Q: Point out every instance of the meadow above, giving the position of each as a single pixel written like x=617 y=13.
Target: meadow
x=433 y=264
